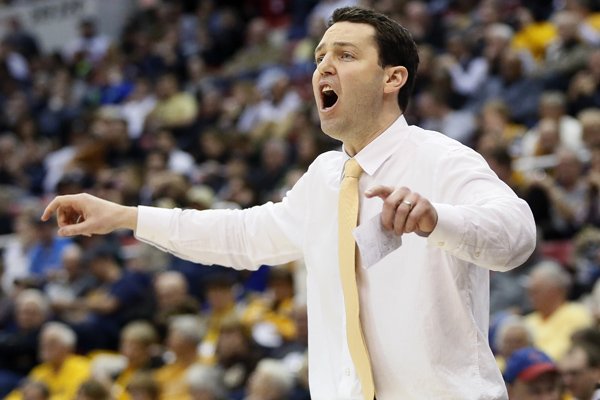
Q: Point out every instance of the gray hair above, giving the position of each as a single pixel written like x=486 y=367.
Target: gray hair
x=511 y=322
x=190 y=326
x=277 y=374
x=552 y=272
x=204 y=377
x=36 y=297
x=62 y=332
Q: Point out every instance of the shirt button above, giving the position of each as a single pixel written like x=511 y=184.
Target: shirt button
x=347 y=371
x=477 y=254
x=441 y=244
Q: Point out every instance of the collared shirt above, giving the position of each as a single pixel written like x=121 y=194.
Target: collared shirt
x=424 y=306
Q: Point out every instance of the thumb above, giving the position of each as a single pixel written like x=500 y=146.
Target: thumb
x=81 y=228
x=379 y=191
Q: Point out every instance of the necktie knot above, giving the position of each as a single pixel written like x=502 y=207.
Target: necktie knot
x=352 y=169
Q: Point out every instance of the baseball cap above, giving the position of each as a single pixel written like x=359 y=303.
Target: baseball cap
x=527 y=364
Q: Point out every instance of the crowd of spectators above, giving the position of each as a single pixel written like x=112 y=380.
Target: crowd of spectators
x=208 y=104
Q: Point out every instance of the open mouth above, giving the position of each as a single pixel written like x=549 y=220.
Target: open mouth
x=328 y=97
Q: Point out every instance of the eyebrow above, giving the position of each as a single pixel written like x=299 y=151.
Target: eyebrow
x=336 y=44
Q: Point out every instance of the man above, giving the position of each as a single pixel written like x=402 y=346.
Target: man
x=424 y=306
x=531 y=375
x=580 y=370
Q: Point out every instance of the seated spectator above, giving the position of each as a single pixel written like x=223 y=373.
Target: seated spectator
x=46 y=252
x=270 y=381
x=553 y=106
x=172 y=298
x=122 y=296
x=205 y=383
x=584 y=87
x=554 y=319
x=221 y=304
x=559 y=201
x=270 y=315
x=15 y=254
x=183 y=338
x=138 y=341
x=19 y=341
x=143 y=387
x=566 y=54
x=87 y=45
x=61 y=369
x=237 y=355
x=174 y=109
x=35 y=390
x=530 y=374
x=67 y=286
x=580 y=370
x=513 y=334
x=93 y=389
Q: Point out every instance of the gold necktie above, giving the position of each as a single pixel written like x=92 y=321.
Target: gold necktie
x=348 y=217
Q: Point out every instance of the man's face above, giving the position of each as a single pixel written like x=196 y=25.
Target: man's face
x=348 y=81
x=545 y=387
x=578 y=378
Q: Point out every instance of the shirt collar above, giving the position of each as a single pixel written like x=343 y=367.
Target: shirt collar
x=382 y=147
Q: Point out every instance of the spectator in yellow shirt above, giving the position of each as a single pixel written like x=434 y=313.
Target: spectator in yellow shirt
x=61 y=370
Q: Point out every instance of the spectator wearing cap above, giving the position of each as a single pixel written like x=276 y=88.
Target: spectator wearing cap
x=47 y=250
x=530 y=374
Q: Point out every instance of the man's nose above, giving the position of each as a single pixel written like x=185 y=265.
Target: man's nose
x=325 y=66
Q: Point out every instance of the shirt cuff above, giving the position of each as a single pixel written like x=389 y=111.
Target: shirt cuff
x=448 y=232
x=152 y=224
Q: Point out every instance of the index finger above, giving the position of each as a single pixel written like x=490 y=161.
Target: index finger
x=379 y=191
x=53 y=206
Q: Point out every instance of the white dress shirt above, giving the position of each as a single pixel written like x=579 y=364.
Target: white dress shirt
x=424 y=306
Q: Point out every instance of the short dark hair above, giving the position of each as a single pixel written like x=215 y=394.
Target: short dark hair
x=395 y=44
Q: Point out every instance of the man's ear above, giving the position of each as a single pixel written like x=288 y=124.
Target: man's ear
x=395 y=78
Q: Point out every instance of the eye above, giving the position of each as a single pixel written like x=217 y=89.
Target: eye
x=318 y=59
x=347 y=56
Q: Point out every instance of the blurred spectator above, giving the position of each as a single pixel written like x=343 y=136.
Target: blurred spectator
x=172 y=298
x=271 y=314
x=35 y=390
x=552 y=106
x=534 y=31
x=13 y=62
x=559 y=201
x=67 y=287
x=580 y=370
x=270 y=381
x=88 y=46
x=22 y=40
x=467 y=70
x=237 y=355
x=19 y=341
x=530 y=374
x=566 y=54
x=183 y=338
x=174 y=108
x=93 y=389
x=123 y=296
x=584 y=87
x=436 y=114
x=136 y=107
x=15 y=256
x=554 y=318
x=513 y=334
x=519 y=92
x=179 y=161
x=143 y=387
x=61 y=369
x=221 y=304
x=46 y=252
x=205 y=383
x=138 y=344
x=589 y=17
x=258 y=52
